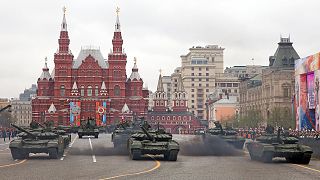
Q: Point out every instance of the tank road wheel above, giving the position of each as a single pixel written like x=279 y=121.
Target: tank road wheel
x=267 y=157
x=17 y=154
x=304 y=159
x=135 y=154
x=96 y=135
x=53 y=153
x=172 y=155
x=80 y=136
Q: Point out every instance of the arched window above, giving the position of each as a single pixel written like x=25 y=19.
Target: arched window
x=117 y=90
x=62 y=90
x=82 y=90
x=89 y=91
x=96 y=90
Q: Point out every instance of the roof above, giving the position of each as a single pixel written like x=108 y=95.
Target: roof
x=135 y=74
x=45 y=73
x=226 y=101
x=95 y=53
x=284 y=55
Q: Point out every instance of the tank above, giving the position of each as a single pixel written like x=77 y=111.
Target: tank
x=227 y=134
x=88 y=128
x=36 y=142
x=271 y=145
x=60 y=130
x=121 y=134
x=153 y=142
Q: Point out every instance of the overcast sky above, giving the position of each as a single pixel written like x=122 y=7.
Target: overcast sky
x=157 y=32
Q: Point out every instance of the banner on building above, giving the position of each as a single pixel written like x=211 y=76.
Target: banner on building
x=101 y=115
x=75 y=110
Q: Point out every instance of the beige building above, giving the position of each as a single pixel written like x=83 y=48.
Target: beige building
x=4 y=102
x=198 y=69
x=21 y=111
x=274 y=87
x=228 y=84
x=247 y=71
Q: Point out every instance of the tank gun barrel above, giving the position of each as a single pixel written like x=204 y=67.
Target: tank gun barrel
x=23 y=130
x=150 y=137
x=41 y=125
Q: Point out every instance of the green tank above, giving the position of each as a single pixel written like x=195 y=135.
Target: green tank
x=153 y=142
x=36 y=142
x=121 y=134
x=228 y=135
x=88 y=128
x=60 y=130
x=271 y=145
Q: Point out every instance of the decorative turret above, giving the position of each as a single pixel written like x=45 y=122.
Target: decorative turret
x=45 y=82
x=74 y=91
x=103 y=90
x=179 y=100
x=135 y=74
x=45 y=75
x=160 y=100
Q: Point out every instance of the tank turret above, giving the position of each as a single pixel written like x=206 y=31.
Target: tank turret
x=150 y=137
x=25 y=131
x=218 y=125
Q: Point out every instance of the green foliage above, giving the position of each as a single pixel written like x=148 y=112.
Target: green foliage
x=281 y=116
x=252 y=119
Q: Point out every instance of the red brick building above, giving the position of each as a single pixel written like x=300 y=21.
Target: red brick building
x=89 y=86
x=178 y=120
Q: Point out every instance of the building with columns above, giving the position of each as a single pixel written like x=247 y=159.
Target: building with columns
x=90 y=85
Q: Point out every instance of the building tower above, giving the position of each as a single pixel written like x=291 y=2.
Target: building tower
x=117 y=60
x=63 y=62
x=179 y=99
x=45 y=82
x=134 y=82
x=160 y=98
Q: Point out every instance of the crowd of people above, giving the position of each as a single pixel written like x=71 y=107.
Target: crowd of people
x=252 y=133
x=7 y=133
x=305 y=133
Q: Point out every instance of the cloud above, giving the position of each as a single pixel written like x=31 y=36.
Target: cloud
x=157 y=32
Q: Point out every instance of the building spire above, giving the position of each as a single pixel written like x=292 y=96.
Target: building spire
x=64 y=22
x=160 y=84
x=117 y=25
x=45 y=75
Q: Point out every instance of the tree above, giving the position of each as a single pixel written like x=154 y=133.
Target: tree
x=281 y=116
x=252 y=119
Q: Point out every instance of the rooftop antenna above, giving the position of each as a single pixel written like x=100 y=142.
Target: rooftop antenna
x=252 y=59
